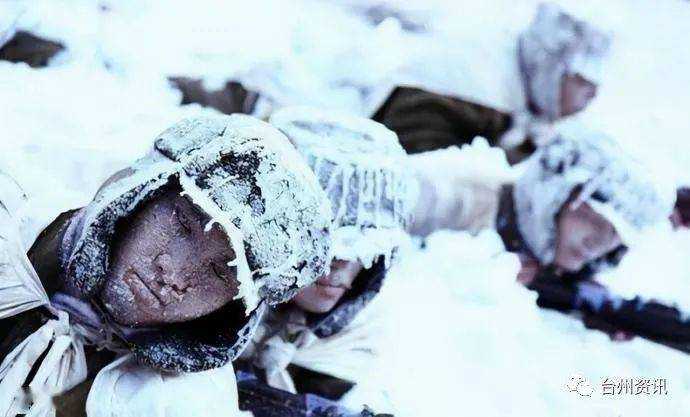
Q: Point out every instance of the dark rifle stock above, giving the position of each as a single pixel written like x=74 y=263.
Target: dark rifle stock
x=265 y=401
x=602 y=310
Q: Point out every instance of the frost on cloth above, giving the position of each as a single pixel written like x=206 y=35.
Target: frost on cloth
x=20 y=287
x=246 y=177
x=614 y=184
x=459 y=187
x=124 y=388
x=363 y=169
x=243 y=174
x=56 y=351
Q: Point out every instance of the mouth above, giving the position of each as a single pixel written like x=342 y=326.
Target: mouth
x=329 y=291
x=327 y=283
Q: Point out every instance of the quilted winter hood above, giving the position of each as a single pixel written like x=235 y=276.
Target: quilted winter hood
x=247 y=177
x=614 y=184
x=363 y=169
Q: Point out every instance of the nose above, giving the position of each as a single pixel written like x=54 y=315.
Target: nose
x=167 y=273
x=591 y=91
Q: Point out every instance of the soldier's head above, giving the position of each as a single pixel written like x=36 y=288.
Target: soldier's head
x=582 y=198
x=184 y=249
x=361 y=166
x=560 y=60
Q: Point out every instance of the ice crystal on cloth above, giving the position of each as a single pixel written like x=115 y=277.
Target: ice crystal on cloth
x=20 y=287
x=363 y=169
x=458 y=187
x=248 y=178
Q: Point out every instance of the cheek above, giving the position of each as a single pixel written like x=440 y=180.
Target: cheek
x=572 y=234
x=602 y=241
x=584 y=95
x=576 y=95
x=569 y=246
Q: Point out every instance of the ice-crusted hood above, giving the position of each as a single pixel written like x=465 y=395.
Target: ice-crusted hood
x=614 y=184
x=557 y=44
x=247 y=178
x=362 y=167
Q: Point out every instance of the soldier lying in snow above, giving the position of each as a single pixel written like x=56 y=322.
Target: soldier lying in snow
x=580 y=202
x=323 y=345
x=556 y=74
x=169 y=270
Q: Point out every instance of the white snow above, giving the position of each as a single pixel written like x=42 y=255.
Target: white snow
x=470 y=340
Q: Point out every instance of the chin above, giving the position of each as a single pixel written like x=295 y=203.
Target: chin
x=317 y=306
x=570 y=265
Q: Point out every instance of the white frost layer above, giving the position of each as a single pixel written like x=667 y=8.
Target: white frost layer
x=363 y=169
x=475 y=161
x=340 y=137
x=351 y=243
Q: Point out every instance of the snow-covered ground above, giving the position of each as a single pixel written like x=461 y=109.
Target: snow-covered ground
x=469 y=340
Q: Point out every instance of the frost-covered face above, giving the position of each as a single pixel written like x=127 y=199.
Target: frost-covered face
x=165 y=268
x=325 y=293
x=576 y=93
x=583 y=235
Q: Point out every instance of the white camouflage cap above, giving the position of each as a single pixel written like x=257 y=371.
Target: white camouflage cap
x=556 y=44
x=362 y=167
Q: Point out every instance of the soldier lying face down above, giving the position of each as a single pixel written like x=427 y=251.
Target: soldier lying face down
x=579 y=203
x=579 y=200
x=557 y=75
x=314 y=352
x=175 y=259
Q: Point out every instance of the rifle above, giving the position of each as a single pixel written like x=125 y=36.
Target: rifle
x=265 y=401
x=603 y=310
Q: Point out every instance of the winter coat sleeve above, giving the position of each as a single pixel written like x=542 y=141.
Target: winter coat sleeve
x=458 y=188
x=30 y=49
x=426 y=121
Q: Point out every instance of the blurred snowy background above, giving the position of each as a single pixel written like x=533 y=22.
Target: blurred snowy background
x=468 y=339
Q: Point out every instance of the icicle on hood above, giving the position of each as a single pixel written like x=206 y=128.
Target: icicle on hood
x=556 y=44
x=613 y=184
x=362 y=167
x=245 y=176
